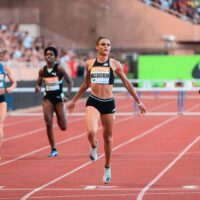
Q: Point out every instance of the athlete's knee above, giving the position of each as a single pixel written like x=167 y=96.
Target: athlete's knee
x=108 y=138
x=48 y=123
x=91 y=133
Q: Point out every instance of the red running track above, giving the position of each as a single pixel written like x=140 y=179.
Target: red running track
x=154 y=158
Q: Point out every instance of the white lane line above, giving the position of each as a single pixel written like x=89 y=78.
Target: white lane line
x=41 y=149
x=21 y=121
x=72 y=121
x=58 y=143
x=146 y=188
x=90 y=187
x=85 y=196
x=102 y=155
x=35 y=131
x=191 y=187
x=113 y=188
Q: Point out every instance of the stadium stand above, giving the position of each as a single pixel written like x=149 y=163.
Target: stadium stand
x=185 y=9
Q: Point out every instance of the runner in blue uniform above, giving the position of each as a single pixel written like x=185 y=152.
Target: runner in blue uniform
x=100 y=74
x=4 y=71
x=52 y=76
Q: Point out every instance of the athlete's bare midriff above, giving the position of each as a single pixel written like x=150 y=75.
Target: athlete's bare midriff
x=102 y=91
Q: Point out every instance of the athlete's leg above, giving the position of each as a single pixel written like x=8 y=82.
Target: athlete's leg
x=107 y=124
x=61 y=115
x=48 y=117
x=92 y=118
x=3 y=111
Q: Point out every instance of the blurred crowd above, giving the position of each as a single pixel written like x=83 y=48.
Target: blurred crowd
x=186 y=9
x=25 y=53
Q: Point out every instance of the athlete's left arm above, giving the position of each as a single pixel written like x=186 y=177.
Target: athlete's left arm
x=120 y=73
x=68 y=79
x=11 y=79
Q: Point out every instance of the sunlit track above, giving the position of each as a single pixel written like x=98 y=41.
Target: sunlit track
x=148 y=186
x=75 y=120
x=30 y=112
x=52 y=188
x=37 y=131
x=21 y=122
x=43 y=148
x=102 y=155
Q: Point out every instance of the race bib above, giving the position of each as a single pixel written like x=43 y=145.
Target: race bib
x=2 y=81
x=52 y=83
x=100 y=75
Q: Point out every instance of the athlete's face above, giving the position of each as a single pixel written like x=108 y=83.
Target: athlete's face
x=2 y=53
x=103 y=47
x=50 y=56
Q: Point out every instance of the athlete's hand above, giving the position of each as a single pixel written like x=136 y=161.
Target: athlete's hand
x=142 y=108
x=9 y=89
x=65 y=99
x=71 y=107
x=37 y=88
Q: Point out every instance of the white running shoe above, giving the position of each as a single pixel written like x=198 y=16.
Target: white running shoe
x=93 y=154
x=107 y=175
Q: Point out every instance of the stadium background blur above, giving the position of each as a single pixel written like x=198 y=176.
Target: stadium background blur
x=154 y=39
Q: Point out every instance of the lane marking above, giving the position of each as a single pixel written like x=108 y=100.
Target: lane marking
x=191 y=187
x=100 y=187
x=90 y=187
x=102 y=155
x=35 y=131
x=111 y=188
x=165 y=170
x=58 y=143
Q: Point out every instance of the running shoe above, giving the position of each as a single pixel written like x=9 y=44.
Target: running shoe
x=107 y=175
x=93 y=154
x=53 y=153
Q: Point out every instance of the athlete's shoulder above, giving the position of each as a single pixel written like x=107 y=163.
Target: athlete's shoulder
x=115 y=63
x=90 y=62
x=42 y=70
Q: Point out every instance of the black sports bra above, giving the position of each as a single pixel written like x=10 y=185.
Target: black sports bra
x=102 y=73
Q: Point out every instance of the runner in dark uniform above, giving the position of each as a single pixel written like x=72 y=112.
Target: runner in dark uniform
x=100 y=104
x=102 y=73
x=52 y=76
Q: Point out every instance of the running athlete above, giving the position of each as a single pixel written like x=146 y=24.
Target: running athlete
x=100 y=74
x=54 y=99
x=4 y=71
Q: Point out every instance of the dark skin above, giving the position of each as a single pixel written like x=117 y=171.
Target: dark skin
x=48 y=107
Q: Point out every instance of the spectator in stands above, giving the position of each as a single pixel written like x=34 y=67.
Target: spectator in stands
x=100 y=104
x=125 y=67
x=4 y=71
x=80 y=68
x=54 y=99
x=64 y=60
x=72 y=66
x=28 y=40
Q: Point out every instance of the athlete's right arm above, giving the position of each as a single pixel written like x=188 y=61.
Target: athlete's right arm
x=39 y=81
x=84 y=86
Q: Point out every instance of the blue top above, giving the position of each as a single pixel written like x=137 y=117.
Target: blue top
x=2 y=77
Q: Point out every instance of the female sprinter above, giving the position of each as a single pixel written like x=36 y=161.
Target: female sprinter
x=100 y=74
x=4 y=71
x=52 y=75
